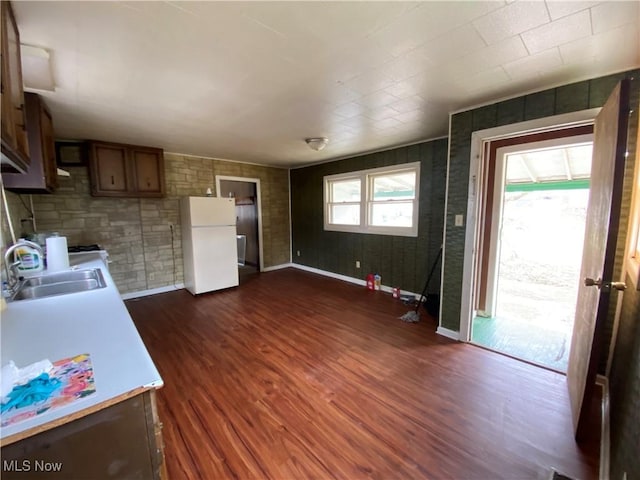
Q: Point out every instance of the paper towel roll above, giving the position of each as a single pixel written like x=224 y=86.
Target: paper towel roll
x=57 y=254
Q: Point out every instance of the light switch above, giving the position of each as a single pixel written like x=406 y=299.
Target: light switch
x=459 y=220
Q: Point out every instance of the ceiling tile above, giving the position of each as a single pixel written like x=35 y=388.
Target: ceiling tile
x=491 y=56
x=379 y=98
x=492 y=80
x=564 y=30
x=558 y=9
x=599 y=47
x=610 y=15
x=381 y=113
x=350 y=109
x=409 y=103
x=411 y=116
x=452 y=45
x=511 y=20
x=534 y=65
x=430 y=20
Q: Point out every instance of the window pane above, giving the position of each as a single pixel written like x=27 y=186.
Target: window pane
x=345 y=214
x=392 y=214
x=345 y=191
x=396 y=186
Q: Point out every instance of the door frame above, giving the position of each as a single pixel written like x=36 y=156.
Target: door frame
x=474 y=204
x=499 y=186
x=256 y=181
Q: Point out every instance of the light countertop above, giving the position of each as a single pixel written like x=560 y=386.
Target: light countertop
x=94 y=322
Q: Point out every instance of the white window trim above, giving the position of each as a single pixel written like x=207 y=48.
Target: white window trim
x=365 y=187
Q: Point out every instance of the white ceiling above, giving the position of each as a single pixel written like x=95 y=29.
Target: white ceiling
x=249 y=81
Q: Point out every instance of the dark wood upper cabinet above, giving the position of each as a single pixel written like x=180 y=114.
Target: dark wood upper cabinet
x=41 y=175
x=149 y=171
x=15 y=149
x=119 y=170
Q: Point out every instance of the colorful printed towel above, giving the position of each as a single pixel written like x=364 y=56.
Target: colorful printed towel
x=70 y=379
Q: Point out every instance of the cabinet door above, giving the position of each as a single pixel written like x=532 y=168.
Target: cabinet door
x=149 y=171
x=41 y=174
x=8 y=126
x=15 y=80
x=108 y=164
x=50 y=168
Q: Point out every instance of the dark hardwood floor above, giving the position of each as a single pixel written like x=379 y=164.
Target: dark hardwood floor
x=294 y=376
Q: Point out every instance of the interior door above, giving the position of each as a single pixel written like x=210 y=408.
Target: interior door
x=601 y=232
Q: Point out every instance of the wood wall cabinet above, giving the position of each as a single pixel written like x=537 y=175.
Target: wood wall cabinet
x=15 y=149
x=41 y=175
x=119 y=170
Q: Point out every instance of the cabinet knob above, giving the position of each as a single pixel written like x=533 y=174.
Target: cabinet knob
x=112 y=180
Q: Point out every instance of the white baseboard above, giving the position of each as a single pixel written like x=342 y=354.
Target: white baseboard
x=152 y=291
x=277 y=267
x=445 y=332
x=605 y=434
x=346 y=278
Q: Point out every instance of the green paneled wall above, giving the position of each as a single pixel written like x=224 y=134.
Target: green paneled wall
x=401 y=261
x=625 y=370
x=556 y=101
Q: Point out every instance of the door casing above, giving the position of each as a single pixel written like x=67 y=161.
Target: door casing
x=478 y=141
x=258 y=204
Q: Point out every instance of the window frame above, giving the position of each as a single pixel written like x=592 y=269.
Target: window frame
x=366 y=202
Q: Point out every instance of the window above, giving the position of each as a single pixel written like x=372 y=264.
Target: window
x=381 y=200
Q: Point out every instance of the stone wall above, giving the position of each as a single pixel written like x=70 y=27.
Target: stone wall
x=143 y=235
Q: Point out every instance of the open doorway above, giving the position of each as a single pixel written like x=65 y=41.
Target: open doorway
x=246 y=193
x=533 y=231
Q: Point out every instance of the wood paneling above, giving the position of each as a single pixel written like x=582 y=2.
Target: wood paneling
x=295 y=375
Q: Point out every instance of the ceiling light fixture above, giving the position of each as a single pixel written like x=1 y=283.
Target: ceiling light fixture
x=317 y=143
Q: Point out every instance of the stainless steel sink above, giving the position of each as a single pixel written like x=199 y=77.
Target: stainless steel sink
x=59 y=283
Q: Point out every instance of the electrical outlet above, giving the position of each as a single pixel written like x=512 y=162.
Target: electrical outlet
x=298 y=253
x=357 y=263
x=459 y=220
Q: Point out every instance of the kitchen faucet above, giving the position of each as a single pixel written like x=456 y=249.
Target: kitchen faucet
x=11 y=269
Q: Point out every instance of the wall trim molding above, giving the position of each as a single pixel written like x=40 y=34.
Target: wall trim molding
x=605 y=432
x=326 y=273
x=277 y=267
x=152 y=291
x=256 y=182
x=445 y=332
x=345 y=278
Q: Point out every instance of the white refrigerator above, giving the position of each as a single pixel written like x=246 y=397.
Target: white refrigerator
x=209 y=247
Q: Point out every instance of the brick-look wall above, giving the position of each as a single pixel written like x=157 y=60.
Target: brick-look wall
x=144 y=252
x=18 y=213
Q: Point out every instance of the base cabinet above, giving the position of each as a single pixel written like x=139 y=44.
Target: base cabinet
x=120 y=441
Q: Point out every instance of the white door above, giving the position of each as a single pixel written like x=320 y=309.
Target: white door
x=603 y=214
